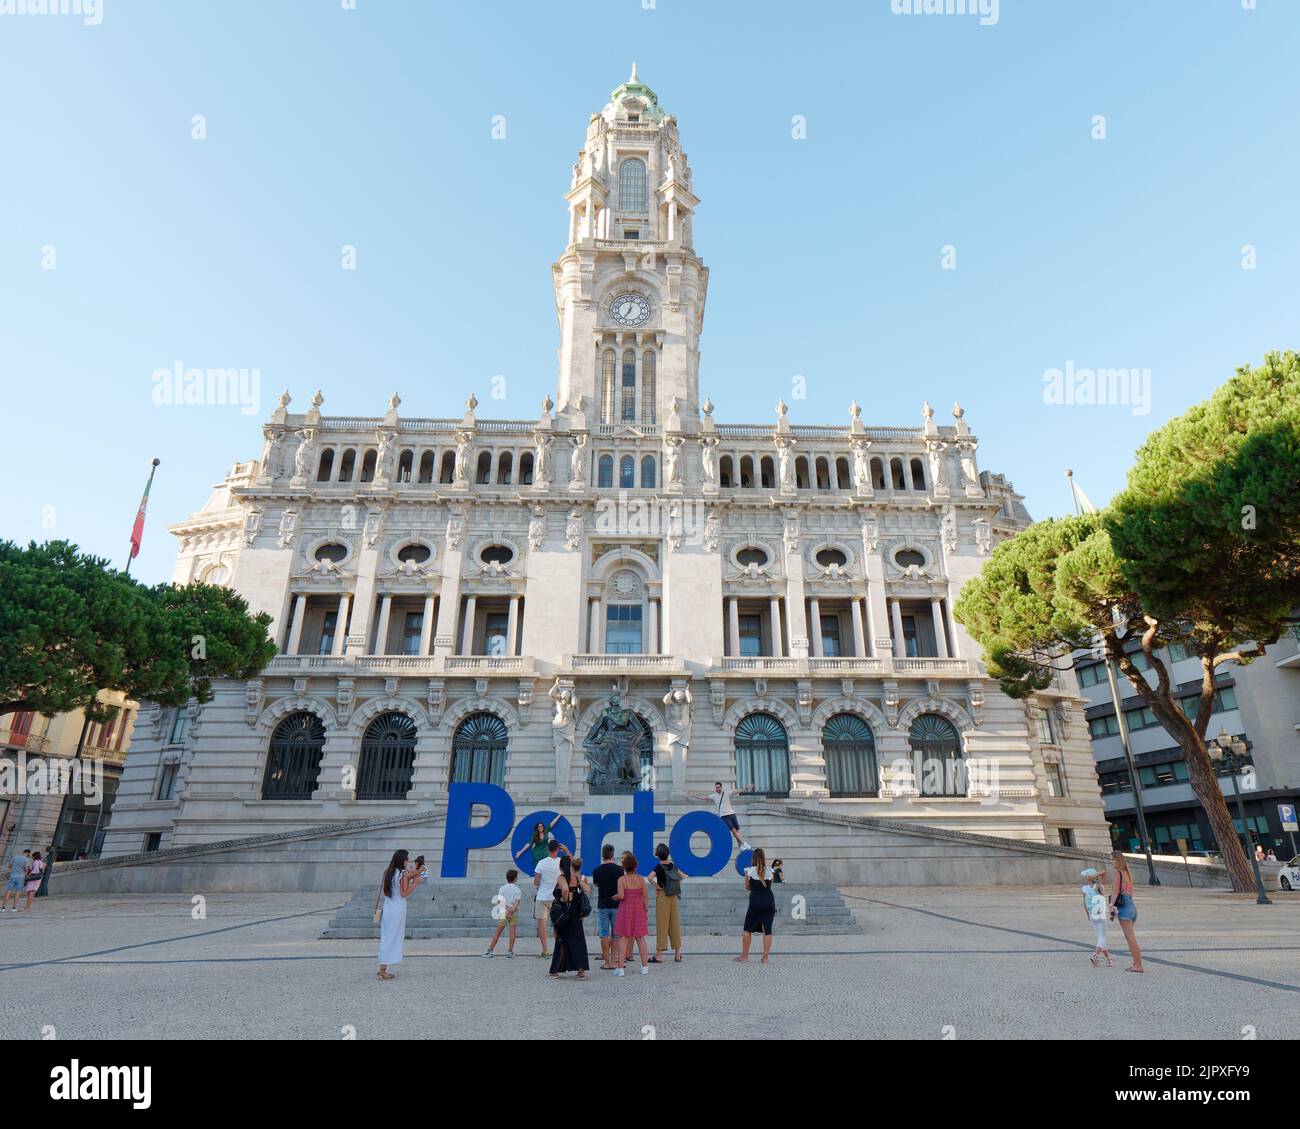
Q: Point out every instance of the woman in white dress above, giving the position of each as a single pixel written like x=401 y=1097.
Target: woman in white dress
x=400 y=879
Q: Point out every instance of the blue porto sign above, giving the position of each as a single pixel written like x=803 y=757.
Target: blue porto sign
x=642 y=821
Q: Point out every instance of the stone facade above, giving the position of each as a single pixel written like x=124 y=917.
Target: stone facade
x=470 y=591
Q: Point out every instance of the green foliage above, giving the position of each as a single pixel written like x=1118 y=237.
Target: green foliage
x=1208 y=528
x=73 y=626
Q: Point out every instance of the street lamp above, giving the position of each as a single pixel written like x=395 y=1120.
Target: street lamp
x=1230 y=752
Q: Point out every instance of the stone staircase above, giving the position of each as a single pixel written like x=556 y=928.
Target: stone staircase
x=710 y=907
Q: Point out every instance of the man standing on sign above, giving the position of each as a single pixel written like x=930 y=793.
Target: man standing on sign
x=721 y=799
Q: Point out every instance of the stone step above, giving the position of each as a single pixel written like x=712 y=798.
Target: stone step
x=463 y=909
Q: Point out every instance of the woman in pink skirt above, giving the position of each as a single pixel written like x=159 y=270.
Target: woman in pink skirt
x=630 y=923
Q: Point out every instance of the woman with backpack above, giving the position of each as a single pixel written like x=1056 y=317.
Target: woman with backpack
x=667 y=881
x=572 y=897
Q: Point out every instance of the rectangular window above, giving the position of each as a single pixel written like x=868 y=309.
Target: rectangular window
x=831 y=646
x=327 y=628
x=412 y=629
x=1107 y=726
x=629 y=386
x=1055 y=785
x=167 y=781
x=1091 y=675
x=1066 y=835
x=631 y=233
x=180 y=725
x=623 y=629
x=495 y=629
x=153 y=841
x=751 y=635
x=1178 y=652
x=911 y=648
x=1045 y=734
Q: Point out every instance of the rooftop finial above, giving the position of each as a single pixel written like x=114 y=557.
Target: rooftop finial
x=634 y=78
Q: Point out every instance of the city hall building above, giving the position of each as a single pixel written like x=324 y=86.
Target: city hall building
x=457 y=600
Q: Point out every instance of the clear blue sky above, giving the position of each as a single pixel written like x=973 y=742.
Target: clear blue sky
x=373 y=128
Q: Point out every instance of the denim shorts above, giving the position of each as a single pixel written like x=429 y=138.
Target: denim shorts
x=1125 y=910
x=16 y=882
x=605 y=921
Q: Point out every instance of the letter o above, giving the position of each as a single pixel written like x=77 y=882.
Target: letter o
x=562 y=832
x=679 y=843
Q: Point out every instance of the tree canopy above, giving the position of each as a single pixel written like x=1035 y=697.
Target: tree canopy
x=73 y=626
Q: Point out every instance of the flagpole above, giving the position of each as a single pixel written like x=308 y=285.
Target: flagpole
x=135 y=547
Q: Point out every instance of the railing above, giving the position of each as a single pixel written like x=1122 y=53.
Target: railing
x=932 y=666
x=846 y=665
x=882 y=667
x=489 y=664
x=31 y=742
x=626 y=662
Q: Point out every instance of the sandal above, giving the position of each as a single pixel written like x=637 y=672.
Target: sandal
x=677 y=959
x=385 y=976
x=654 y=960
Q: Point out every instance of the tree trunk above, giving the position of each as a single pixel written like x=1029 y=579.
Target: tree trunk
x=1206 y=786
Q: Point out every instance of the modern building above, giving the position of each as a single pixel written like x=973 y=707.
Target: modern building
x=1258 y=702
x=773 y=601
x=35 y=811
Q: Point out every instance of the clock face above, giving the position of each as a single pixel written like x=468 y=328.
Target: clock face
x=630 y=309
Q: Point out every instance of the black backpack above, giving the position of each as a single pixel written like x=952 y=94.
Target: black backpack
x=672 y=880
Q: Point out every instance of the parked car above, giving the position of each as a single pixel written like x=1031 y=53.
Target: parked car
x=1289 y=876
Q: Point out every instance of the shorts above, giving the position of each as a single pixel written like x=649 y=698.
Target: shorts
x=542 y=909
x=15 y=884
x=605 y=920
x=511 y=918
x=1125 y=910
x=732 y=822
x=759 y=920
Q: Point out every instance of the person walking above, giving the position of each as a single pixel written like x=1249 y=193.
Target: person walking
x=667 y=881
x=1124 y=910
x=762 y=906
x=1094 y=905
x=570 y=939
x=16 y=882
x=546 y=876
x=400 y=879
x=631 y=923
x=721 y=798
x=33 y=882
x=606 y=877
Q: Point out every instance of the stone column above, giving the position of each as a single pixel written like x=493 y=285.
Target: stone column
x=595 y=633
x=936 y=613
x=467 y=628
x=733 y=625
x=381 y=632
x=859 y=636
x=896 y=618
x=815 y=627
x=777 y=649
x=444 y=641
x=652 y=628
x=341 y=627
x=295 y=628
x=426 y=625
x=512 y=626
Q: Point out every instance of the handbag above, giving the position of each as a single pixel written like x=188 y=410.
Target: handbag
x=560 y=913
x=584 y=904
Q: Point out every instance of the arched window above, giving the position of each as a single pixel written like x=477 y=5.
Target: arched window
x=648 y=386
x=426 y=467
x=448 y=470
x=346 y=464
x=293 y=760
x=629 y=385
x=607 y=400
x=505 y=467
x=605 y=471
x=823 y=474
x=326 y=465
x=632 y=186
x=483 y=474
x=478 y=751
x=746 y=472
x=726 y=473
x=877 y=474
x=842 y=480
x=625 y=619
x=387 y=758
x=368 y=466
x=626 y=473
x=897 y=481
x=801 y=473
x=850 y=751
x=526 y=469
x=647 y=472
x=405 y=461
x=763 y=755
x=918 y=475
x=767 y=473
x=936 y=756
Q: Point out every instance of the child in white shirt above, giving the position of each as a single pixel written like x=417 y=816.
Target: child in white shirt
x=1094 y=905
x=505 y=911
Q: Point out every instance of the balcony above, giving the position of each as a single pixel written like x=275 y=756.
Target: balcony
x=883 y=667
x=30 y=742
x=641 y=664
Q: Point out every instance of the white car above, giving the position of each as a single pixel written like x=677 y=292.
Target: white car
x=1289 y=876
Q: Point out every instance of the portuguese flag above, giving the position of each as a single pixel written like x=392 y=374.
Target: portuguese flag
x=137 y=530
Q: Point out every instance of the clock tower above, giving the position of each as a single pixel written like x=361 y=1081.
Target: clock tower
x=629 y=288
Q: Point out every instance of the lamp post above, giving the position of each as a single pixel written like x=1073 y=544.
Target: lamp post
x=1230 y=752
x=1122 y=725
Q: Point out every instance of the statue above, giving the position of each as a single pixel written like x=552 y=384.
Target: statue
x=613 y=750
x=302 y=457
x=463 y=441
x=384 y=455
x=672 y=463
x=564 y=732
x=541 y=461
x=677 y=714
x=537 y=528
x=708 y=460
x=968 y=469
x=935 y=450
x=712 y=532
x=573 y=530
x=786 y=463
x=861 y=466
x=271 y=452
x=577 y=461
